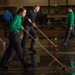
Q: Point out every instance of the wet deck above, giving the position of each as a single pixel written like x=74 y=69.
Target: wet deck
x=45 y=64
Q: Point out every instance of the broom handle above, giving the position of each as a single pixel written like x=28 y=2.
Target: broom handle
x=45 y=36
x=3 y=43
x=46 y=50
x=1 y=40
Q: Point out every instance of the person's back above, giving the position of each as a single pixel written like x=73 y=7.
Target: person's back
x=7 y=15
x=71 y=18
x=40 y=14
x=7 y=19
x=41 y=17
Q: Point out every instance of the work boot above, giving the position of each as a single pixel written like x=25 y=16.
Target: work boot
x=4 y=66
x=64 y=43
x=33 y=50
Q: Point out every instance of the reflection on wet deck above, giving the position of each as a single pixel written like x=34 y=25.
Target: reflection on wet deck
x=45 y=64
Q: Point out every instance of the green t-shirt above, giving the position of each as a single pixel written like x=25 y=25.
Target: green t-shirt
x=40 y=14
x=70 y=19
x=16 y=24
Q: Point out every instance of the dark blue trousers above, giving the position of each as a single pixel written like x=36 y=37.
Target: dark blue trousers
x=6 y=27
x=14 y=45
x=69 y=33
x=25 y=37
